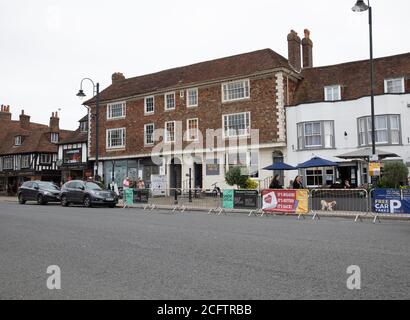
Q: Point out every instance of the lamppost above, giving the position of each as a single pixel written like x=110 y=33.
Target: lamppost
x=96 y=93
x=360 y=6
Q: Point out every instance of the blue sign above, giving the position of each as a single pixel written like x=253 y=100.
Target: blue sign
x=391 y=201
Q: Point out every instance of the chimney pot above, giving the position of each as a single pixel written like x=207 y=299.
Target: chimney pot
x=307 y=48
x=24 y=120
x=294 y=50
x=117 y=76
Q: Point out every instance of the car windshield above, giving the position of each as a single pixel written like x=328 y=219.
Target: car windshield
x=92 y=186
x=48 y=185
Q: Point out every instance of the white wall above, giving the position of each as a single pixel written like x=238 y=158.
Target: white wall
x=345 y=114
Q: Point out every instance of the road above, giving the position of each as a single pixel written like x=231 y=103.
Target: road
x=131 y=254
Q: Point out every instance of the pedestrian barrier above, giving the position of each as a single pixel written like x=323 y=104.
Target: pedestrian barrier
x=341 y=201
x=357 y=203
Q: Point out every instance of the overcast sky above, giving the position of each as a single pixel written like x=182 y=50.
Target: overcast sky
x=48 y=46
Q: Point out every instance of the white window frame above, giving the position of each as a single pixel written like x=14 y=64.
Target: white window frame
x=333 y=88
x=24 y=164
x=225 y=136
x=53 y=136
x=166 y=132
x=8 y=163
x=18 y=140
x=188 y=96
x=109 y=110
x=46 y=158
x=153 y=105
x=145 y=134
x=188 y=130
x=245 y=83
x=386 y=85
x=301 y=135
x=367 y=131
x=108 y=136
x=165 y=101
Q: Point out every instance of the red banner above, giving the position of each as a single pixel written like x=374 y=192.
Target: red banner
x=286 y=201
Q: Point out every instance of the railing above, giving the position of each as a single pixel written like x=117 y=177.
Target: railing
x=355 y=203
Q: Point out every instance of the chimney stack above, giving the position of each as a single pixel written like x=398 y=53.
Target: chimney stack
x=117 y=76
x=294 y=54
x=54 y=122
x=307 y=47
x=5 y=112
x=24 y=120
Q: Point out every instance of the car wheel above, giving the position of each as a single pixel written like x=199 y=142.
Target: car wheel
x=87 y=202
x=21 y=199
x=64 y=201
x=40 y=199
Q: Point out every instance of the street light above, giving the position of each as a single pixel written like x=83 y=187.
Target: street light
x=360 y=6
x=96 y=92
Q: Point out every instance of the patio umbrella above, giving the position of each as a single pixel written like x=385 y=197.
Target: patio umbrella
x=279 y=166
x=316 y=162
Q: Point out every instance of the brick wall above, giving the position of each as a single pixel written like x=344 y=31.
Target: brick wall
x=262 y=105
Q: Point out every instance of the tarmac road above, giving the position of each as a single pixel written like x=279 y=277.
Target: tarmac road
x=130 y=254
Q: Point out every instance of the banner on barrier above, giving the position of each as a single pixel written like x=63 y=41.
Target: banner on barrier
x=286 y=201
x=391 y=201
x=129 y=196
x=240 y=199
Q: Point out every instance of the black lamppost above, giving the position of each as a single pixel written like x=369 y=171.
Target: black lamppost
x=96 y=92
x=360 y=6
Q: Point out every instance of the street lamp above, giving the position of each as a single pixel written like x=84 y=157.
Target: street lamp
x=360 y=6
x=96 y=93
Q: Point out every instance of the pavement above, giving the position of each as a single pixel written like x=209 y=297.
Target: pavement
x=132 y=254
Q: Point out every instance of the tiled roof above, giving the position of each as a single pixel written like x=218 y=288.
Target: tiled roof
x=75 y=137
x=354 y=77
x=35 y=139
x=235 y=66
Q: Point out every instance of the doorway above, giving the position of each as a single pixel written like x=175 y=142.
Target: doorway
x=175 y=175
x=348 y=173
x=198 y=175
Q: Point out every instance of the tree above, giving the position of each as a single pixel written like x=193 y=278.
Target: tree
x=394 y=175
x=234 y=177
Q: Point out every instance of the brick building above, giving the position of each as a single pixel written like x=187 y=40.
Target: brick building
x=282 y=98
x=28 y=150
x=233 y=95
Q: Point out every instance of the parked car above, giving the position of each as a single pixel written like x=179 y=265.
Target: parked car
x=40 y=191
x=88 y=193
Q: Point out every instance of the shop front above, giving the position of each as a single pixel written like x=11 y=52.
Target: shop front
x=134 y=169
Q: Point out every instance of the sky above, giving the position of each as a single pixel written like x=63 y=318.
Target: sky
x=48 y=46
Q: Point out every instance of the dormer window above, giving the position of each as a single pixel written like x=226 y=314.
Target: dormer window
x=394 y=85
x=17 y=140
x=84 y=126
x=54 y=137
x=333 y=93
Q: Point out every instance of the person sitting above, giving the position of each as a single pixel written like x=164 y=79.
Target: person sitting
x=275 y=183
x=297 y=183
x=347 y=184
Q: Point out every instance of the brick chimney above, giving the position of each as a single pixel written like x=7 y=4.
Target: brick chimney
x=54 y=122
x=294 y=54
x=307 y=48
x=24 y=120
x=5 y=112
x=117 y=76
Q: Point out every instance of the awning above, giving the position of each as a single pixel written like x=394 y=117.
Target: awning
x=366 y=153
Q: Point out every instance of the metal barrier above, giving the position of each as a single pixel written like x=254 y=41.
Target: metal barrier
x=356 y=203
x=347 y=201
x=186 y=199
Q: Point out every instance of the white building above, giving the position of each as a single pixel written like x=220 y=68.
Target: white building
x=331 y=117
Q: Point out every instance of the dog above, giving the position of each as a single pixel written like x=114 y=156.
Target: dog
x=327 y=205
